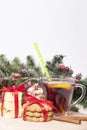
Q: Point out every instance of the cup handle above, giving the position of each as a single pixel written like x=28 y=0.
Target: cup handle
x=82 y=95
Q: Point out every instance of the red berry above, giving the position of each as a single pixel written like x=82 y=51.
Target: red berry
x=76 y=80
x=24 y=71
x=61 y=67
x=5 y=80
x=66 y=68
x=78 y=76
x=16 y=75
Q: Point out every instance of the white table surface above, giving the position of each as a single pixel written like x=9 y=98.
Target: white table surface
x=19 y=124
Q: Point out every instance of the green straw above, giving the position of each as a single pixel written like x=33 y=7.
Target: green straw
x=41 y=60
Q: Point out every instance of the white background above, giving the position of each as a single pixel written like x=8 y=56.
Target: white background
x=58 y=26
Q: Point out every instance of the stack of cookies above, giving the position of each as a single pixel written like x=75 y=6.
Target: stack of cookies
x=35 y=113
x=36 y=91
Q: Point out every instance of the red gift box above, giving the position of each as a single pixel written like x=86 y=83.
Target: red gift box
x=11 y=99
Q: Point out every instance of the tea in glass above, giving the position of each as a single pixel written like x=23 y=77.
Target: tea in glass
x=60 y=92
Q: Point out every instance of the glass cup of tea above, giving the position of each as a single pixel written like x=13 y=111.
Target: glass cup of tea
x=60 y=92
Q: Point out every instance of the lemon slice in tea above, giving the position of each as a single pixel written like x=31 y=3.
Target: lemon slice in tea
x=55 y=84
